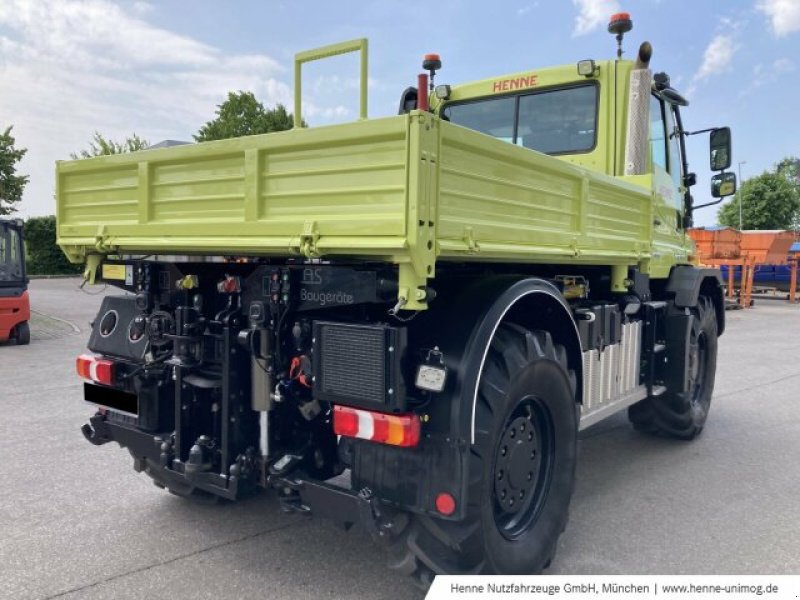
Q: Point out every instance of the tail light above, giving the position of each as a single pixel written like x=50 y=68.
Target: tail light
x=99 y=370
x=395 y=430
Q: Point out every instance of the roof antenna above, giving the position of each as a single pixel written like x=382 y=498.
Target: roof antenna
x=620 y=24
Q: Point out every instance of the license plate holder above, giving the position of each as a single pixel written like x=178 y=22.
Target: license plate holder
x=113 y=399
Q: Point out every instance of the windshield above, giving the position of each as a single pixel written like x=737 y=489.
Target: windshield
x=10 y=255
x=556 y=121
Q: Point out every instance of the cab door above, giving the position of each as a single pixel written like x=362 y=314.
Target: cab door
x=667 y=188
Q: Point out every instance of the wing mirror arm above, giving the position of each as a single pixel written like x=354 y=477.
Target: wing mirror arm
x=707 y=204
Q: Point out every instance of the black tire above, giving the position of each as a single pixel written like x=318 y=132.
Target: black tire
x=683 y=415
x=22 y=334
x=526 y=426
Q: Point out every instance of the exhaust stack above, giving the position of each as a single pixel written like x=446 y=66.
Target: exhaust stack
x=638 y=126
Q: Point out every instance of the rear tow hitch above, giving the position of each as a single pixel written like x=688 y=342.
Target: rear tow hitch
x=95 y=430
x=343 y=506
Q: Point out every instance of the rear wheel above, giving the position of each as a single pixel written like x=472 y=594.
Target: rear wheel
x=522 y=467
x=683 y=415
x=22 y=333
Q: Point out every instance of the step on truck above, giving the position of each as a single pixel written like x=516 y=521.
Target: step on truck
x=404 y=322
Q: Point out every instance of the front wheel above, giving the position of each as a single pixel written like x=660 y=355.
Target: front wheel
x=522 y=468
x=22 y=334
x=683 y=415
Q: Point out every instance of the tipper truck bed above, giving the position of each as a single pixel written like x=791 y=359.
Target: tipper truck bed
x=410 y=190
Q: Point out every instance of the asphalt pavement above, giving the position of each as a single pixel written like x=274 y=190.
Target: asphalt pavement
x=77 y=522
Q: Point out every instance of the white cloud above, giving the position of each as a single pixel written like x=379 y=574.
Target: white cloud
x=98 y=33
x=782 y=65
x=717 y=57
x=593 y=14
x=784 y=15
x=69 y=68
x=766 y=75
x=326 y=112
x=142 y=8
x=524 y=10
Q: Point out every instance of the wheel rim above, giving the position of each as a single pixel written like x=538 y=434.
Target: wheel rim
x=698 y=353
x=522 y=468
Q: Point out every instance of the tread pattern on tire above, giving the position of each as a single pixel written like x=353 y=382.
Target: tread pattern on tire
x=423 y=546
x=22 y=333
x=671 y=414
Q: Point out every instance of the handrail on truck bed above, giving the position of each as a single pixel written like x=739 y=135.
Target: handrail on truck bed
x=359 y=45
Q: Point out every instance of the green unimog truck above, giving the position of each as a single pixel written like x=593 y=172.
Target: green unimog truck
x=404 y=322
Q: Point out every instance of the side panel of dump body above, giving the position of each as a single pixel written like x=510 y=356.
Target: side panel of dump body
x=331 y=189
x=499 y=201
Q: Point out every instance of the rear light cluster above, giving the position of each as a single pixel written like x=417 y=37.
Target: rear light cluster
x=99 y=370
x=395 y=430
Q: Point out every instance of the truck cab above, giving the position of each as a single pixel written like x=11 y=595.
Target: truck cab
x=14 y=303
x=581 y=113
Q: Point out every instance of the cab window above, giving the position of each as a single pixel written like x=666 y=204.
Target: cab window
x=10 y=259
x=493 y=117
x=675 y=163
x=658 y=138
x=554 y=121
x=558 y=121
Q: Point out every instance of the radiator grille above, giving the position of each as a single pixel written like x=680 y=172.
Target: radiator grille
x=359 y=365
x=352 y=362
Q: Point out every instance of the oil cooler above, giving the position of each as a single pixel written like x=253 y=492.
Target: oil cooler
x=359 y=365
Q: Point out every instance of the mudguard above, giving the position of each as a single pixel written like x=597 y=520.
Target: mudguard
x=686 y=283
x=461 y=324
x=465 y=329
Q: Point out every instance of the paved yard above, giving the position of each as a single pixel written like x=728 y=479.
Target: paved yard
x=77 y=522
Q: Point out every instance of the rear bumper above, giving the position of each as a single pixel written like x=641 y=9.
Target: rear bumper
x=149 y=455
x=300 y=494
x=13 y=311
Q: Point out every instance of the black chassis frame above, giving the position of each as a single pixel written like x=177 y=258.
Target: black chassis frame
x=440 y=462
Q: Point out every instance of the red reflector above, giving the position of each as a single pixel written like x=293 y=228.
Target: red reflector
x=620 y=16
x=103 y=371
x=445 y=504
x=95 y=369
x=395 y=430
x=345 y=422
x=431 y=57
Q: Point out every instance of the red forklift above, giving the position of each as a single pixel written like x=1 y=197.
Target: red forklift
x=15 y=307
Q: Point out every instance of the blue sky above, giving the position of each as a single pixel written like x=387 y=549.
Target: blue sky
x=70 y=67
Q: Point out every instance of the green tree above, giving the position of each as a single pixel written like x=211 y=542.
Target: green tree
x=769 y=201
x=11 y=184
x=241 y=114
x=100 y=146
x=43 y=256
x=789 y=167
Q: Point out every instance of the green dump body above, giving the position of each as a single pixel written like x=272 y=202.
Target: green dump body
x=411 y=189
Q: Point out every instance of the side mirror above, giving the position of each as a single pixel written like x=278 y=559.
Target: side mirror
x=720 y=148
x=408 y=101
x=723 y=184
